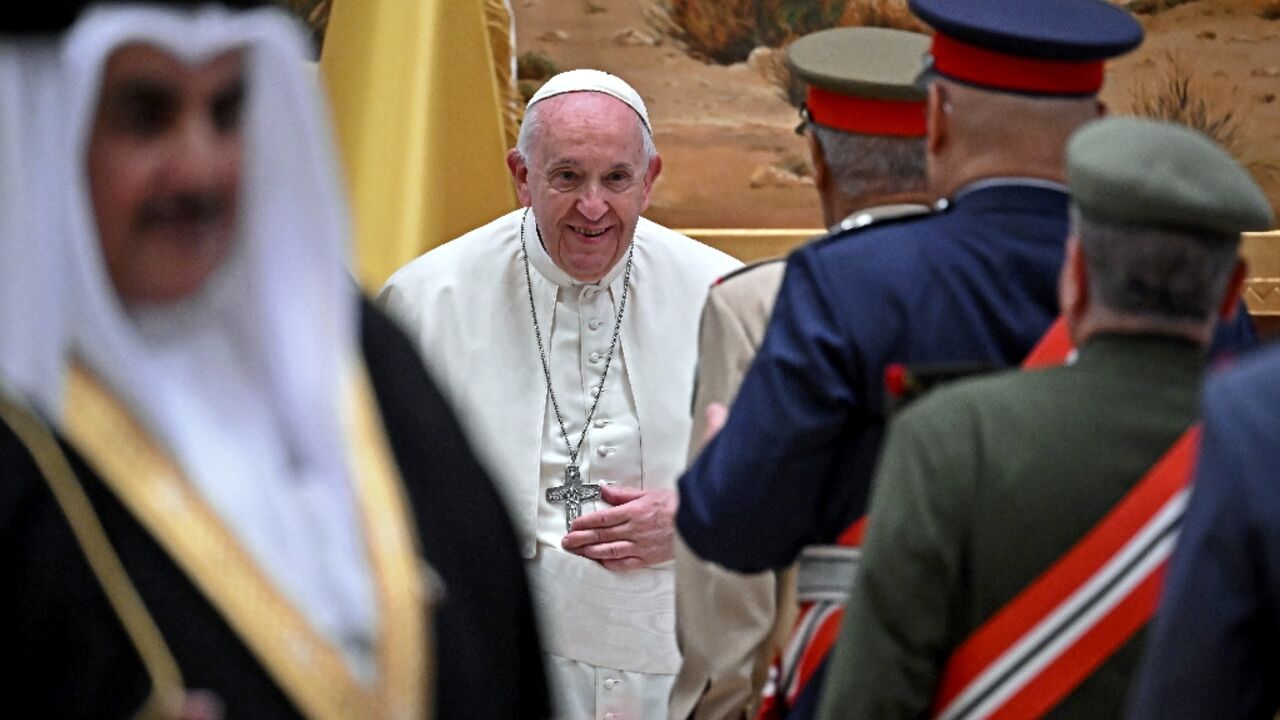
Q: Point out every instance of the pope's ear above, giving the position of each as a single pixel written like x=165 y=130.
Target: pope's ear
x=650 y=177
x=519 y=173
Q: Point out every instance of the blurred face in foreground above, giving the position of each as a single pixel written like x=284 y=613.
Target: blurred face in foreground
x=164 y=170
x=587 y=180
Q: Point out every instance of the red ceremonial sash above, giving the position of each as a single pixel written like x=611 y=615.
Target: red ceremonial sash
x=818 y=624
x=1052 y=349
x=1042 y=644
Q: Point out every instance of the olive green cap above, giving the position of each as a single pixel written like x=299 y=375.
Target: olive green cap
x=1159 y=174
x=865 y=62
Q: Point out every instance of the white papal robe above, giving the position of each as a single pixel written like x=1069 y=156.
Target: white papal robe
x=610 y=635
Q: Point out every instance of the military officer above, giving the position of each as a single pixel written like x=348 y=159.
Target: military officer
x=864 y=123
x=1020 y=523
x=1008 y=82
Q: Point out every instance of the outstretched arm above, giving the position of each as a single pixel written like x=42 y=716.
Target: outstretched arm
x=750 y=499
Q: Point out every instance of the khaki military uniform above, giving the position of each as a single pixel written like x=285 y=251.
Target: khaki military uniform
x=729 y=624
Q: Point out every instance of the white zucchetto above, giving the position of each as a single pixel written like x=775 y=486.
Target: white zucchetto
x=587 y=80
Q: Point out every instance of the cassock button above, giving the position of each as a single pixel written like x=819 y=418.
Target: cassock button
x=601 y=422
x=604 y=451
x=589 y=293
x=595 y=357
x=595 y=391
x=594 y=324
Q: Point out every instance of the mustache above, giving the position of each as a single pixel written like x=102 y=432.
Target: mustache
x=186 y=208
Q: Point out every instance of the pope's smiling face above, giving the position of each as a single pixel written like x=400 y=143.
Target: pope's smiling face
x=587 y=180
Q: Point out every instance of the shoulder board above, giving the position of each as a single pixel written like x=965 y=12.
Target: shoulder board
x=747 y=268
x=882 y=214
x=879 y=217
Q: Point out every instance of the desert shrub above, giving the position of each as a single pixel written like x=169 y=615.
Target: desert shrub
x=1174 y=98
x=535 y=65
x=1268 y=9
x=1151 y=7
x=798 y=164
x=726 y=31
x=527 y=89
x=881 y=13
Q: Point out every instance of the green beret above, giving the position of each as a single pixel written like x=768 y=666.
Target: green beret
x=1144 y=172
x=865 y=62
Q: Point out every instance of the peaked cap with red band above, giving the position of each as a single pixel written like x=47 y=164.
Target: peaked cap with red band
x=1032 y=47
x=862 y=80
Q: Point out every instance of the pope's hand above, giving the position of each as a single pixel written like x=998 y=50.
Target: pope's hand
x=717 y=416
x=635 y=533
x=192 y=705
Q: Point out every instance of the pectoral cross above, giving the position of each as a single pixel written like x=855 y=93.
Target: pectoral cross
x=572 y=493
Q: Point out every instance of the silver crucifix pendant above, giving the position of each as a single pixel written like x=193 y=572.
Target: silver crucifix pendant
x=572 y=493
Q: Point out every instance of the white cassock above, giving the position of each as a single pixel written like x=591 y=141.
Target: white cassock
x=610 y=635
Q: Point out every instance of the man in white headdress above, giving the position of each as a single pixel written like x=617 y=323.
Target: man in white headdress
x=227 y=471
x=565 y=333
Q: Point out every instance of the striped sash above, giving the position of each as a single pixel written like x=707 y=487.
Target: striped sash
x=811 y=639
x=1041 y=645
x=1053 y=348
x=818 y=624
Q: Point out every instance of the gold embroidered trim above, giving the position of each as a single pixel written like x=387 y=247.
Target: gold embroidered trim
x=306 y=665
x=157 y=660
x=405 y=672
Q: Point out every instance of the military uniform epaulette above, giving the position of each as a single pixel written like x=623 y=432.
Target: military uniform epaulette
x=879 y=217
x=745 y=269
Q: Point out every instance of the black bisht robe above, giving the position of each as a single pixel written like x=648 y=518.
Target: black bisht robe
x=69 y=656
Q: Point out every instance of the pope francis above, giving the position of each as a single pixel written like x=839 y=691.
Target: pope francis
x=565 y=334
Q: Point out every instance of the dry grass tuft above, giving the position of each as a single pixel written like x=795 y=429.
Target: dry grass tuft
x=771 y=64
x=1268 y=9
x=1151 y=7
x=726 y=31
x=532 y=69
x=882 y=13
x=729 y=31
x=535 y=65
x=798 y=164
x=1175 y=99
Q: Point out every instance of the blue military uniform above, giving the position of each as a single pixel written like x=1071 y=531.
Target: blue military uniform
x=793 y=464
x=1221 y=601
x=974 y=284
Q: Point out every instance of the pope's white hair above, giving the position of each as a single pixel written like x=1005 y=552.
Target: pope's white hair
x=531 y=126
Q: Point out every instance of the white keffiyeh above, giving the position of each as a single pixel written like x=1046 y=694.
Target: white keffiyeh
x=242 y=381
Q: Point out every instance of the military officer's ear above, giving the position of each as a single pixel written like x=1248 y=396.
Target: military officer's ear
x=821 y=170
x=1073 y=286
x=937 y=118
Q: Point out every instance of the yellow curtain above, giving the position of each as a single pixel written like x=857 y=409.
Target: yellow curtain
x=419 y=111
